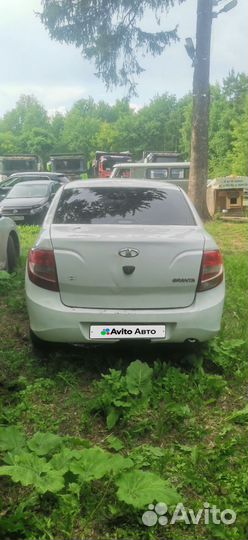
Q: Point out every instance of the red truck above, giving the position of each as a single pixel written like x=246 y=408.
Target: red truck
x=105 y=161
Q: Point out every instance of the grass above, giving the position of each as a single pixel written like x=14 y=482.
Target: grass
x=189 y=430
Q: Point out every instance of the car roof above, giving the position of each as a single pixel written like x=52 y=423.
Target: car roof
x=150 y=165
x=35 y=173
x=33 y=183
x=122 y=183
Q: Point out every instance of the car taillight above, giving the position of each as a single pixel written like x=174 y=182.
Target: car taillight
x=42 y=269
x=211 y=273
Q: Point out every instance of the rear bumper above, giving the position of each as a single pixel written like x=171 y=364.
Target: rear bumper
x=50 y=320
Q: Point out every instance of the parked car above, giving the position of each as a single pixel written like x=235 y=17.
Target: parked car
x=9 y=244
x=174 y=172
x=16 y=178
x=123 y=260
x=28 y=202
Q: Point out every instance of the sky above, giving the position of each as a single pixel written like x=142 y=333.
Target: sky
x=58 y=76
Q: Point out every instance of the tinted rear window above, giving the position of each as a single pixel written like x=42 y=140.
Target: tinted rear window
x=31 y=191
x=125 y=206
x=30 y=178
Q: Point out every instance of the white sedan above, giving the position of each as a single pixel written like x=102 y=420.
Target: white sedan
x=9 y=244
x=119 y=261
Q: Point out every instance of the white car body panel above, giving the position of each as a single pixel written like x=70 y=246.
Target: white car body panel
x=52 y=321
x=7 y=227
x=94 y=290
x=165 y=253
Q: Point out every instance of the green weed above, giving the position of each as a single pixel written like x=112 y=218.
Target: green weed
x=180 y=416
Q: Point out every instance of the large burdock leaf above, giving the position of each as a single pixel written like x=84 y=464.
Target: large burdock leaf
x=93 y=465
x=61 y=461
x=30 y=469
x=118 y=463
x=53 y=481
x=44 y=443
x=11 y=437
x=27 y=469
x=139 y=488
x=139 y=378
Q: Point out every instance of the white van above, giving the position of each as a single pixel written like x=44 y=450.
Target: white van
x=175 y=173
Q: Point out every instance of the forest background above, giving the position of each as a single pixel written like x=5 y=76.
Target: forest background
x=162 y=125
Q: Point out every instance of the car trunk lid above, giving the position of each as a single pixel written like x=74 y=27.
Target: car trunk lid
x=91 y=270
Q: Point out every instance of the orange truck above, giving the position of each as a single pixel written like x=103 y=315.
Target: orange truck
x=105 y=161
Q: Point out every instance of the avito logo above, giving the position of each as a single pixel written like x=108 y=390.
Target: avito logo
x=105 y=332
x=118 y=330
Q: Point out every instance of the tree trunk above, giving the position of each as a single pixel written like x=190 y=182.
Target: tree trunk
x=199 y=138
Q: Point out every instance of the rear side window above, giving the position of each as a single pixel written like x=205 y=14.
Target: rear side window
x=123 y=206
x=157 y=173
x=179 y=173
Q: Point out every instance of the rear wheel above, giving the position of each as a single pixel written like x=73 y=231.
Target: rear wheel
x=12 y=255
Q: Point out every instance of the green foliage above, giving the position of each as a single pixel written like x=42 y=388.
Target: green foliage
x=114 y=443
x=228 y=143
x=239 y=417
x=11 y=438
x=94 y=463
x=109 y=34
x=148 y=456
x=140 y=488
x=8 y=142
x=226 y=354
x=44 y=443
x=29 y=469
x=121 y=396
x=139 y=379
x=239 y=150
x=46 y=474
x=189 y=430
x=163 y=124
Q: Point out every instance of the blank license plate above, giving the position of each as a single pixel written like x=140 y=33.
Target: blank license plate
x=18 y=218
x=133 y=331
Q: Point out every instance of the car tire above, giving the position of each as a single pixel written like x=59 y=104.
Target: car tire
x=12 y=255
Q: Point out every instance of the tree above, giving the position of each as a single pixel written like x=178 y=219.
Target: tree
x=239 y=151
x=185 y=105
x=227 y=123
x=109 y=33
x=8 y=143
x=57 y=130
x=81 y=129
x=27 y=114
x=106 y=137
x=219 y=133
x=38 y=141
x=200 y=116
x=199 y=135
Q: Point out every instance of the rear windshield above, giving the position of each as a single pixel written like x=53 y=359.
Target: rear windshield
x=20 y=165
x=31 y=191
x=125 y=206
x=69 y=164
x=28 y=178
